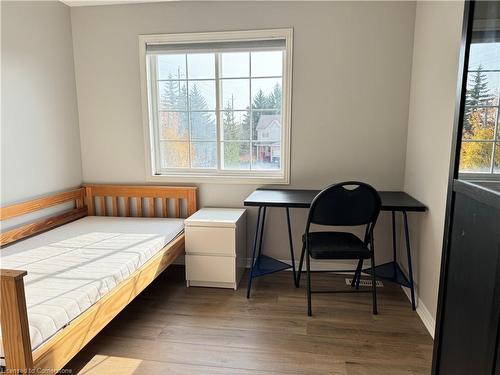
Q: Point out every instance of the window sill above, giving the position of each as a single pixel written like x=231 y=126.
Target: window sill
x=479 y=176
x=219 y=179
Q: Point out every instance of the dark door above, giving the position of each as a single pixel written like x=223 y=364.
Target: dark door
x=468 y=316
x=469 y=325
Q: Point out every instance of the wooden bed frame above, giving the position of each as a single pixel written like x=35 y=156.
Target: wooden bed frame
x=102 y=200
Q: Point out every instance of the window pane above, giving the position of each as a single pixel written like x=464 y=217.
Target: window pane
x=484 y=55
x=171 y=66
x=496 y=165
x=267 y=64
x=236 y=125
x=235 y=94
x=482 y=87
x=201 y=65
x=203 y=126
x=266 y=155
x=480 y=122
x=266 y=125
x=174 y=154
x=172 y=95
x=235 y=64
x=173 y=125
x=202 y=95
x=266 y=93
x=475 y=157
x=203 y=155
x=236 y=155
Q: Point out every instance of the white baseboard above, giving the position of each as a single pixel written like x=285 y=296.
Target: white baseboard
x=323 y=265
x=422 y=311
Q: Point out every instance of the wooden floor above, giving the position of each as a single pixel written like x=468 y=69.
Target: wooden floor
x=170 y=329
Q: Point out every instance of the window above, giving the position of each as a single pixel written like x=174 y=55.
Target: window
x=480 y=149
x=218 y=105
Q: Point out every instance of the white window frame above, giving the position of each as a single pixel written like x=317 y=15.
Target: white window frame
x=220 y=176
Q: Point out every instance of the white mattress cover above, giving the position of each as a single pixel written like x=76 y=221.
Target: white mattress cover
x=71 y=267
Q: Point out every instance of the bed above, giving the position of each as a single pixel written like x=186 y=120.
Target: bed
x=77 y=270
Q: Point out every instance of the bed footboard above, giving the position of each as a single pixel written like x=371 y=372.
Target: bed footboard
x=14 y=320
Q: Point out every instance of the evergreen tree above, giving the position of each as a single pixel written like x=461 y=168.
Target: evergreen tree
x=479 y=92
x=245 y=125
x=202 y=123
x=170 y=95
x=231 y=132
x=260 y=100
x=274 y=99
x=477 y=95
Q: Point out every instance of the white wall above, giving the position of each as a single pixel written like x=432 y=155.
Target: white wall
x=40 y=145
x=351 y=83
x=432 y=106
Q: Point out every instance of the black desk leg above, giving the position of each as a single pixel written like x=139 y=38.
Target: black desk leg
x=408 y=252
x=255 y=241
x=259 y=249
x=290 y=241
x=394 y=254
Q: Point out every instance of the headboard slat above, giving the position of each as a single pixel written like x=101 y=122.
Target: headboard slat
x=164 y=207
x=176 y=208
x=102 y=203
x=126 y=201
x=151 y=207
x=138 y=206
x=115 y=206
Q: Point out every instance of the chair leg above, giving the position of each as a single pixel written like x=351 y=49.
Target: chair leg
x=308 y=267
x=301 y=262
x=374 y=281
x=357 y=274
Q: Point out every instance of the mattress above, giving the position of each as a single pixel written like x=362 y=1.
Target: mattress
x=71 y=267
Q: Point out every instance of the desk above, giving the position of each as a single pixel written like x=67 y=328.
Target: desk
x=393 y=201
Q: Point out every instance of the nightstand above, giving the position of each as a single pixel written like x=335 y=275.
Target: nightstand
x=215 y=247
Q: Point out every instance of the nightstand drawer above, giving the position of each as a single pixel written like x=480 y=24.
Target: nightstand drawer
x=210 y=240
x=210 y=268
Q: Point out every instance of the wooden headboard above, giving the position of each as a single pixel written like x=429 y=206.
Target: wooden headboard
x=102 y=200
x=140 y=201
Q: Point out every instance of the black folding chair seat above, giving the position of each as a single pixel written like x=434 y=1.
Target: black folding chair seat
x=336 y=245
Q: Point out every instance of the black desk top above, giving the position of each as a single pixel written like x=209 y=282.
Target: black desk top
x=391 y=200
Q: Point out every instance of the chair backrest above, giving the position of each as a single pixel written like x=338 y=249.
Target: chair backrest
x=347 y=203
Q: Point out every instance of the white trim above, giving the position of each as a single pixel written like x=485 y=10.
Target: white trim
x=243 y=177
x=218 y=36
x=323 y=265
x=423 y=312
x=486 y=24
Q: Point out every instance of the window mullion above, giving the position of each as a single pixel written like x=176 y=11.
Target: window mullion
x=155 y=131
x=217 y=110
x=188 y=107
x=250 y=107
x=495 y=134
